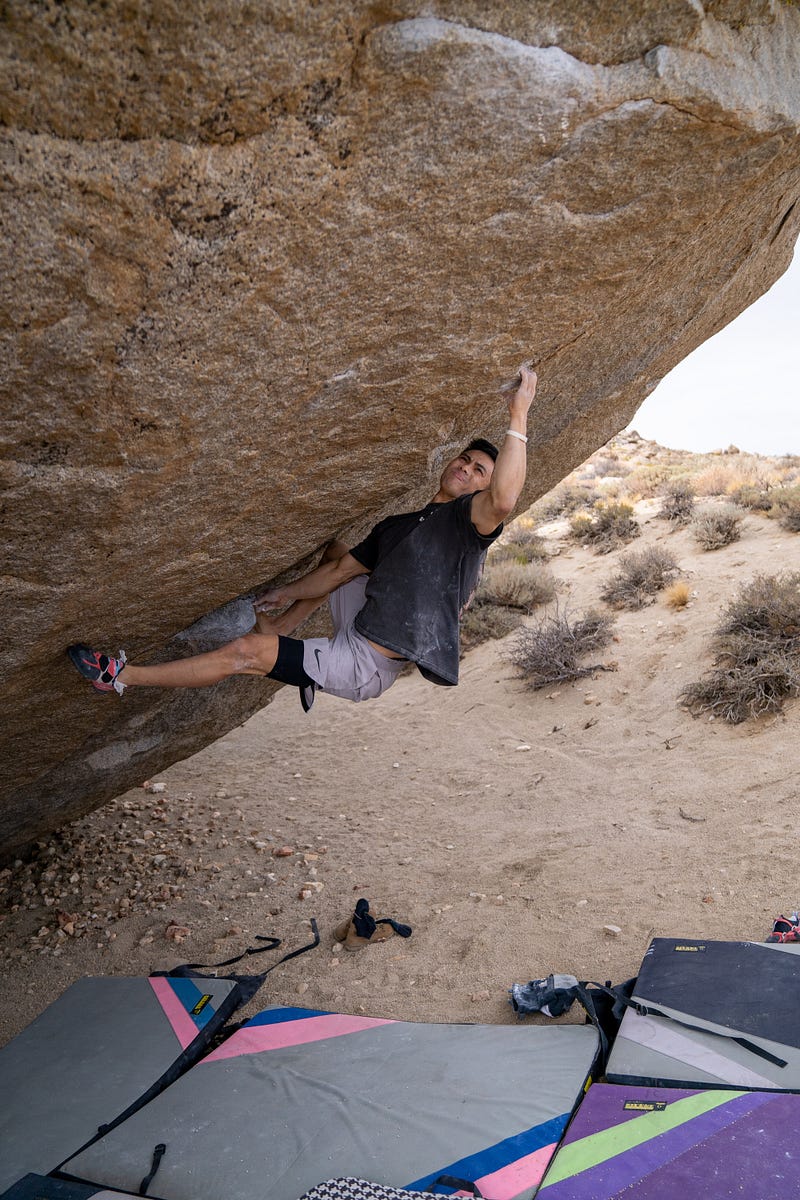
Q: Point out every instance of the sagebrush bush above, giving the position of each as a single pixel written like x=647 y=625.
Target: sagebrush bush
x=715 y=480
x=785 y=508
x=756 y=497
x=549 y=652
x=610 y=465
x=646 y=480
x=639 y=578
x=522 y=532
x=565 y=499
x=521 y=544
x=610 y=524
x=768 y=607
x=485 y=622
x=580 y=526
x=757 y=652
x=611 y=489
x=677 y=501
x=501 y=552
x=717 y=527
x=517 y=585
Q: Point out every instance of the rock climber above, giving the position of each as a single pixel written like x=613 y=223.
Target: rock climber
x=395 y=598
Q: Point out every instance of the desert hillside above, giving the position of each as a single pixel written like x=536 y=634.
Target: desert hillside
x=518 y=831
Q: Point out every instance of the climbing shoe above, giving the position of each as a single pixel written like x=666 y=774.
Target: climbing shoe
x=102 y=671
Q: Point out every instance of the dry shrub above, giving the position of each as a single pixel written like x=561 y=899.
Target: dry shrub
x=609 y=465
x=529 y=551
x=677 y=502
x=565 y=499
x=717 y=527
x=756 y=497
x=549 y=652
x=785 y=508
x=485 y=622
x=640 y=576
x=517 y=585
x=520 y=543
x=611 y=524
x=501 y=552
x=523 y=531
x=580 y=526
x=645 y=481
x=677 y=594
x=715 y=480
x=757 y=652
x=612 y=488
x=751 y=468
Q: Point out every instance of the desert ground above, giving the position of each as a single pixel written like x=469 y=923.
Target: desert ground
x=518 y=832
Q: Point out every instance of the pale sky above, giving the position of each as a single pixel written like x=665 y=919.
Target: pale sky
x=741 y=387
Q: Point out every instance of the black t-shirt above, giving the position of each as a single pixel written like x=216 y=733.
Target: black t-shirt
x=384 y=536
x=424 y=566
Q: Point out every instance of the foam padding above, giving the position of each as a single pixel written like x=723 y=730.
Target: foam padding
x=629 y=1143
x=297 y=1096
x=748 y=991
x=103 y=1047
x=44 y=1187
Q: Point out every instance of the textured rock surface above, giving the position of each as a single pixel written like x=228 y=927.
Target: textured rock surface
x=264 y=266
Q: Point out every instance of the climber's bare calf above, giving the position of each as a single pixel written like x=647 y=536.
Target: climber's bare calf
x=252 y=654
x=267 y=650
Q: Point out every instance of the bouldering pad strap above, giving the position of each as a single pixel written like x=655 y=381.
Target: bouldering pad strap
x=158 y=1154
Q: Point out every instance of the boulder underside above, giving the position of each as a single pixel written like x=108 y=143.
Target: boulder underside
x=265 y=266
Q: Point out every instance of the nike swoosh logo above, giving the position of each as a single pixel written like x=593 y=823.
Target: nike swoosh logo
x=316 y=652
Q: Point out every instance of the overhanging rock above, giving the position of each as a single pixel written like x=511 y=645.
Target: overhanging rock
x=264 y=268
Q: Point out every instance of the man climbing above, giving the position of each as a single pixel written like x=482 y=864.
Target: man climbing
x=395 y=597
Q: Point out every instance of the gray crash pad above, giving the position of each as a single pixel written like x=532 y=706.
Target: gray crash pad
x=297 y=1096
x=731 y=1017
x=45 y=1187
x=105 y=1046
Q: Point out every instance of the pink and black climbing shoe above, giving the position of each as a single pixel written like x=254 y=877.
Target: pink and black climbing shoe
x=102 y=671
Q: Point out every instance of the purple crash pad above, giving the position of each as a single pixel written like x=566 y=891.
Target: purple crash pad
x=641 y=1143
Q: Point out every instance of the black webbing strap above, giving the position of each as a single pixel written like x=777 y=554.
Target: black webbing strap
x=248 y=984
x=274 y=942
x=585 y=997
x=403 y=930
x=463 y=1185
x=158 y=1154
x=645 y=1010
x=273 y=945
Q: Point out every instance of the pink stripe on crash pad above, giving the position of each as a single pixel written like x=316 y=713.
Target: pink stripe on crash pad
x=183 y=1026
x=254 y=1039
x=523 y=1173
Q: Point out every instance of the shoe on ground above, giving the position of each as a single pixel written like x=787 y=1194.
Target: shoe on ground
x=101 y=670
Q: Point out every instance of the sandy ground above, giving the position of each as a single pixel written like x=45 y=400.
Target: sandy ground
x=506 y=826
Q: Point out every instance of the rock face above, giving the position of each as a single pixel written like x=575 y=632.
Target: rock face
x=264 y=266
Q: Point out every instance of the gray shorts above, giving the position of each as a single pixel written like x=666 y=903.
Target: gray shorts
x=346 y=665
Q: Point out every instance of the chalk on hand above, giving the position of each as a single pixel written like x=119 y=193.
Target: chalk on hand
x=511 y=385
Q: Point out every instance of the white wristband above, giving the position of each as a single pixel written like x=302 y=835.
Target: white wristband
x=513 y=433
